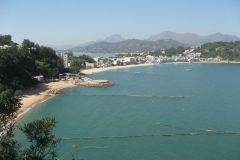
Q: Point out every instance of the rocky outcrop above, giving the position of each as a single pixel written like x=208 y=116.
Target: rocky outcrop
x=54 y=91
x=87 y=82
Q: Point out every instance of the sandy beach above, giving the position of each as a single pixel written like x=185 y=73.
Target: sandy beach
x=37 y=95
x=34 y=96
x=97 y=70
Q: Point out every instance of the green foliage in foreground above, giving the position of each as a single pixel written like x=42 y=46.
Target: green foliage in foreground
x=18 y=65
x=225 y=50
x=43 y=142
x=9 y=148
x=9 y=104
x=39 y=133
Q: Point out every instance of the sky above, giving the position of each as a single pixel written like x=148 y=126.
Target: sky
x=72 y=22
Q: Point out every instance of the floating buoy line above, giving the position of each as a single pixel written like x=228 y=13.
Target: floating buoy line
x=128 y=95
x=205 y=133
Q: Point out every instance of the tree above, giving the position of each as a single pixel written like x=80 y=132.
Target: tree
x=169 y=52
x=78 y=63
x=39 y=132
x=70 y=54
x=18 y=65
x=12 y=70
x=40 y=59
x=9 y=104
x=6 y=40
x=9 y=148
x=43 y=142
x=86 y=58
x=225 y=50
x=42 y=68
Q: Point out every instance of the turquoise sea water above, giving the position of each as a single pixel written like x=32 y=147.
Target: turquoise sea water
x=164 y=112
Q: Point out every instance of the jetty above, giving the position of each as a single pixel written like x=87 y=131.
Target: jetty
x=54 y=91
x=83 y=81
x=88 y=82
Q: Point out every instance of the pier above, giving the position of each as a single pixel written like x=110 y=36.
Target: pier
x=88 y=82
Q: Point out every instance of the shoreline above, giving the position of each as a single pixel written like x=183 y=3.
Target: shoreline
x=219 y=62
x=32 y=97
x=98 y=70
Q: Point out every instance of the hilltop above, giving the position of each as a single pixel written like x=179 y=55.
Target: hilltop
x=130 y=45
x=164 y=40
x=194 y=39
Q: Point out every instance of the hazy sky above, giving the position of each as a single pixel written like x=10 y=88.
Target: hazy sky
x=58 y=22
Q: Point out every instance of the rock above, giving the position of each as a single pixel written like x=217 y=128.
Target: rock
x=54 y=91
x=87 y=82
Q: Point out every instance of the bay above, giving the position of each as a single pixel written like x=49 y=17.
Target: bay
x=167 y=111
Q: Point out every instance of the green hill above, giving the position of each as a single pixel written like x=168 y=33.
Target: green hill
x=130 y=45
x=226 y=50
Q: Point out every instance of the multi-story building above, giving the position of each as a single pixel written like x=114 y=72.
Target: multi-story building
x=66 y=61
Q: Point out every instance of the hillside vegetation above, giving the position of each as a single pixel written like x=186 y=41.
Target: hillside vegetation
x=19 y=64
x=128 y=46
x=225 y=50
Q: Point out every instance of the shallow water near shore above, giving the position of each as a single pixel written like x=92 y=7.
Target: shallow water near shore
x=167 y=111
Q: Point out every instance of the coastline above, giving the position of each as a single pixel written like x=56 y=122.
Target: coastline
x=218 y=62
x=39 y=94
x=97 y=70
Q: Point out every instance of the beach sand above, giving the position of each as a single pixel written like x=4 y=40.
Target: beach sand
x=32 y=97
x=39 y=94
x=97 y=70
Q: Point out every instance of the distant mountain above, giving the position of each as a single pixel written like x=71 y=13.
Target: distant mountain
x=111 y=39
x=114 y=38
x=221 y=37
x=194 y=39
x=130 y=45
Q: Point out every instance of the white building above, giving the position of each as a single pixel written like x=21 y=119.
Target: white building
x=129 y=60
x=4 y=46
x=150 y=58
x=90 y=65
x=66 y=61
